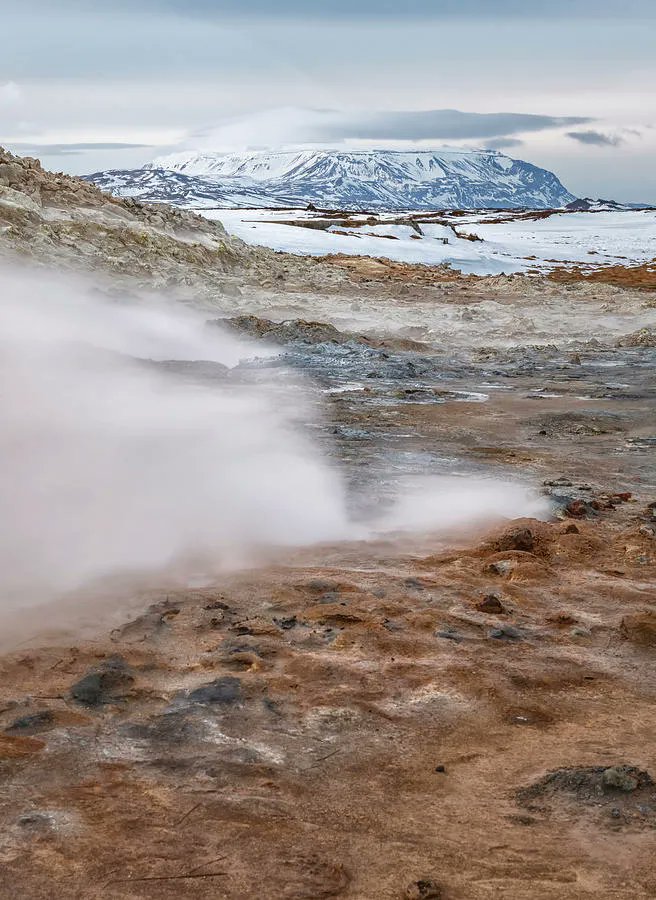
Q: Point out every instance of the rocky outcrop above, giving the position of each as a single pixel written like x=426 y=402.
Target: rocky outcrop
x=56 y=219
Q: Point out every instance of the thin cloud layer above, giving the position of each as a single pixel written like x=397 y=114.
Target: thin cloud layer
x=595 y=138
x=72 y=149
x=505 y=143
x=301 y=126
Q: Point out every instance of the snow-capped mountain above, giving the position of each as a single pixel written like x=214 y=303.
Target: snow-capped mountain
x=341 y=179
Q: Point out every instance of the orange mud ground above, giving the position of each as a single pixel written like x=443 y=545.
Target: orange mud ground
x=369 y=727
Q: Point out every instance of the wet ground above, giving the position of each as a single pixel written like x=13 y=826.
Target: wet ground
x=394 y=413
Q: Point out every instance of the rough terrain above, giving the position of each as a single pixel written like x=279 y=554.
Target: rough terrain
x=458 y=716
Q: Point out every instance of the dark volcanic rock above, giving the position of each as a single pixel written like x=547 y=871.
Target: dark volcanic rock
x=506 y=633
x=491 y=604
x=32 y=724
x=592 y=785
x=224 y=691
x=106 y=684
x=423 y=889
x=290 y=331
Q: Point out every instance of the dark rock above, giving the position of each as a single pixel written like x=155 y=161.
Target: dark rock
x=423 y=889
x=34 y=723
x=106 y=684
x=592 y=785
x=217 y=604
x=286 y=624
x=37 y=821
x=578 y=509
x=572 y=529
x=517 y=539
x=506 y=633
x=224 y=691
x=502 y=567
x=622 y=778
x=491 y=604
x=290 y=331
x=450 y=635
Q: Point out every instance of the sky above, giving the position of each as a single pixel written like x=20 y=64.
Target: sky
x=567 y=84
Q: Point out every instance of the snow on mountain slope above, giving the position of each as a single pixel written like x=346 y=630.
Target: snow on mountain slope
x=340 y=179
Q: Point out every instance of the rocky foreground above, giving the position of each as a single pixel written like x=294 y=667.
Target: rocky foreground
x=454 y=716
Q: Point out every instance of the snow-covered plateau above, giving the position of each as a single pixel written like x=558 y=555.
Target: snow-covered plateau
x=507 y=243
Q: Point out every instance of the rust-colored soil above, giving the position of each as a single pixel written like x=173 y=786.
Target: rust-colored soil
x=366 y=728
x=637 y=277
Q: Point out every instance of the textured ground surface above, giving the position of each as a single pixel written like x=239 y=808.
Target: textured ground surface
x=460 y=716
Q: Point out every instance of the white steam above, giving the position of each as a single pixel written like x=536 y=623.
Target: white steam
x=111 y=463
x=454 y=503
x=108 y=464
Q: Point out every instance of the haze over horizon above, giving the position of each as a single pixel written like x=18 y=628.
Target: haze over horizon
x=566 y=86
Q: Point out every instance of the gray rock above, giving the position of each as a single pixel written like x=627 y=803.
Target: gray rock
x=107 y=684
x=622 y=778
x=224 y=691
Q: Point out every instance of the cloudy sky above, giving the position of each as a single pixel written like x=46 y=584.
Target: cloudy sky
x=566 y=84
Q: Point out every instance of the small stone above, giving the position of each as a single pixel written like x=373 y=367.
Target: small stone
x=491 y=604
x=217 y=604
x=36 y=722
x=620 y=778
x=441 y=769
x=577 y=509
x=517 y=539
x=450 y=635
x=572 y=529
x=506 y=633
x=502 y=567
x=581 y=632
x=423 y=889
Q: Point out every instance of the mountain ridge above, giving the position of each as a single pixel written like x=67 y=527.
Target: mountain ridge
x=341 y=179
